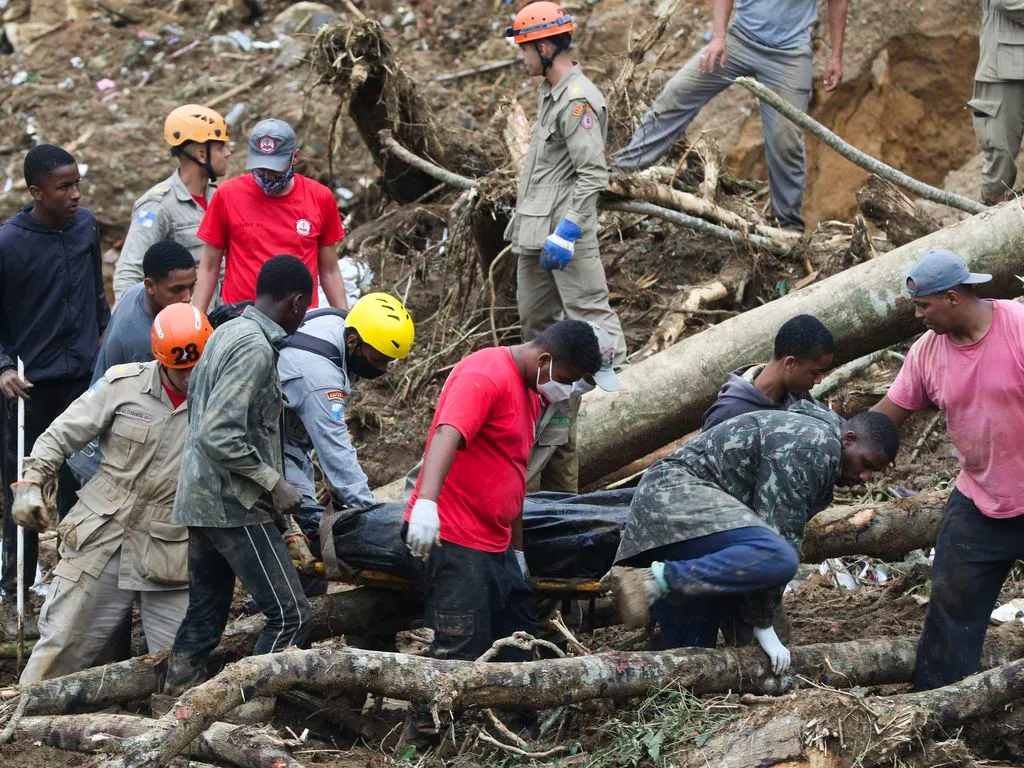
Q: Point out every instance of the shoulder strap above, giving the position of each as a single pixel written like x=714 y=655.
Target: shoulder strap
x=307 y=343
x=325 y=312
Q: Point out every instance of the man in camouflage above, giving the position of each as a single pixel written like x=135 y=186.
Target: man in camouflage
x=173 y=209
x=232 y=493
x=717 y=525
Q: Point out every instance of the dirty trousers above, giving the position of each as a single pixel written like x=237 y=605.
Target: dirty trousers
x=973 y=556
x=474 y=598
x=258 y=556
x=709 y=577
x=998 y=116
x=79 y=617
x=49 y=400
x=787 y=72
x=578 y=292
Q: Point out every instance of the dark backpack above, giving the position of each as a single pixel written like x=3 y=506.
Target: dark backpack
x=298 y=340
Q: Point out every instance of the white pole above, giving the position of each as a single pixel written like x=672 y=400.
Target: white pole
x=21 y=531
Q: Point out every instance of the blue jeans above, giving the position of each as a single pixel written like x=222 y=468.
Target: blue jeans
x=707 y=574
x=258 y=556
x=973 y=556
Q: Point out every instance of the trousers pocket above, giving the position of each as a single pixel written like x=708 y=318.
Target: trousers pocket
x=167 y=559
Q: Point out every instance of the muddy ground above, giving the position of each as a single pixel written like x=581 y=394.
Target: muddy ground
x=908 y=68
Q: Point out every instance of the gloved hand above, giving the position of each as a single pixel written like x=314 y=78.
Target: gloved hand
x=298 y=548
x=28 y=508
x=559 y=247
x=521 y=559
x=424 y=528
x=771 y=645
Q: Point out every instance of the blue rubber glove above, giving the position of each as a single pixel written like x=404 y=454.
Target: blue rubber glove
x=558 y=248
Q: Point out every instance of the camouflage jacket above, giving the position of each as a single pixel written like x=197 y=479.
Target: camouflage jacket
x=767 y=468
x=232 y=455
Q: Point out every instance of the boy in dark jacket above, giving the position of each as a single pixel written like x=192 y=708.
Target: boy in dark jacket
x=53 y=312
x=803 y=352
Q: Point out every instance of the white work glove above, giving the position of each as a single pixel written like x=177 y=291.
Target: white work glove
x=424 y=528
x=28 y=508
x=521 y=559
x=771 y=645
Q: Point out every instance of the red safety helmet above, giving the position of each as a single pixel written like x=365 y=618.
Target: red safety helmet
x=537 y=21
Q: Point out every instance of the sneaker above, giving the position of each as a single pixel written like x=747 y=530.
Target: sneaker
x=635 y=590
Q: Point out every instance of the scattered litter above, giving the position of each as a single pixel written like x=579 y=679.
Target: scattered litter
x=304 y=18
x=8 y=185
x=105 y=84
x=77 y=62
x=707 y=36
x=409 y=18
x=241 y=39
x=83 y=169
x=19 y=78
x=1010 y=611
x=262 y=45
x=840 y=574
x=344 y=194
x=235 y=115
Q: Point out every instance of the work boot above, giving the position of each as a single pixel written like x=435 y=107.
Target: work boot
x=635 y=591
x=9 y=616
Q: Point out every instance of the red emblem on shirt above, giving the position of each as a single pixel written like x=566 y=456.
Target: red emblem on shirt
x=267 y=145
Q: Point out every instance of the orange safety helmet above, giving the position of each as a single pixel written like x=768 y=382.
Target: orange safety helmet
x=194 y=122
x=537 y=21
x=180 y=333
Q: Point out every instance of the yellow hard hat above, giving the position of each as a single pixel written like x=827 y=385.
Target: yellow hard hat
x=194 y=122
x=383 y=323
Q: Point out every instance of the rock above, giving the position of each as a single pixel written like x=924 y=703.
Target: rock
x=303 y=18
x=292 y=52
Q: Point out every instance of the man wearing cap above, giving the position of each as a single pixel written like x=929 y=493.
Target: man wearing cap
x=553 y=464
x=269 y=211
x=969 y=364
x=997 y=105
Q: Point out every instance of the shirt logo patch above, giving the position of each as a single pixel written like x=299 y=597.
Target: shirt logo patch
x=587 y=121
x=338 y=412
x=267 y=145
x=303 y=227
x=146 y=219
x=134 y=413
x=336 y=394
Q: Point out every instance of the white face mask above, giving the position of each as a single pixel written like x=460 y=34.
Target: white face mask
x=581 y=387
x=553 y=391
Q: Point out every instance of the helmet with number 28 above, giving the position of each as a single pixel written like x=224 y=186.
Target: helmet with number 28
x=180 y=333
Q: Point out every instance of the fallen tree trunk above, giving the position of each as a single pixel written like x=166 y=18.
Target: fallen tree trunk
x=884 y=204
x=664 y=396
x=222 y=742
x=886 y=530
x=536 y=685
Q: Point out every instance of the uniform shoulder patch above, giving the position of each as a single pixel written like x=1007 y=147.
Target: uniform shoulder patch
x=146 y=219
x=336 y=394
x=123 y=371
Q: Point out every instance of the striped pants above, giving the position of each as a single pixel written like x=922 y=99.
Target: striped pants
x=257 y=555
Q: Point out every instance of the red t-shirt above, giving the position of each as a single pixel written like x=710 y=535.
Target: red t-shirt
x=253 y=227
x=201 y=200
x=176 y=399
x=980 y=387
x=486 y=399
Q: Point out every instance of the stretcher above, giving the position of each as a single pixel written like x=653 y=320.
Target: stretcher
x=543 y=588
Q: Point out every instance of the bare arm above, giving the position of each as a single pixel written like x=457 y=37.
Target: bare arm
x=837 y=33
x=714 y=53
x=206 y=280
x=893 y=411
x=438 y=460
x=330 y=277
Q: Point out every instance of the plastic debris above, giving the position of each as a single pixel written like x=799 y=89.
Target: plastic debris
x=235 y=115
x=77 y=62
x=19 y=78
x=105 y=84
x=241 y=39
x=1009 y=611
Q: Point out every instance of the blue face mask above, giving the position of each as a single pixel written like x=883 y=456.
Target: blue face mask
x=274 y=186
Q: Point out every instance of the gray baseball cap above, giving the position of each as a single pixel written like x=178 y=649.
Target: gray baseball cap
x=271 y=146
x=938 y=271
x=605 y=378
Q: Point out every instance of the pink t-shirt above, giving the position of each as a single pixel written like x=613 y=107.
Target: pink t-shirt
x=980 y=386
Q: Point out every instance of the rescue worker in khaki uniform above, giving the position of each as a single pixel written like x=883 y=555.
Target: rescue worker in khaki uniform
x=998 y=103
x=118 y=541
x=173 y=209
x=554 y=228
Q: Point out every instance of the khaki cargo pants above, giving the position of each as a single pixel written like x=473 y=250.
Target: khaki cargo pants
x=79 y=617
x=998 y=114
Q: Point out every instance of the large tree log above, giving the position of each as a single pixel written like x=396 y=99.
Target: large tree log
x=222 y=742
x=664 y=396
x=883 y=203
x=887 y=530
x=538 y=684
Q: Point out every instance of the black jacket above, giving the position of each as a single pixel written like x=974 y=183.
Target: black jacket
x=53 y=309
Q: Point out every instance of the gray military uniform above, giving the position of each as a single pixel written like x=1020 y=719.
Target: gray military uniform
x=564 y=172
x=118 y=540
x=167 y=211
x=998 y=103
x=316 y=392
x=232 y=456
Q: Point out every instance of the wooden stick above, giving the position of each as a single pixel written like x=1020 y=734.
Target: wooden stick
x=854 y=155
x=492 y=67
x=924 y=436
x=240 y=88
